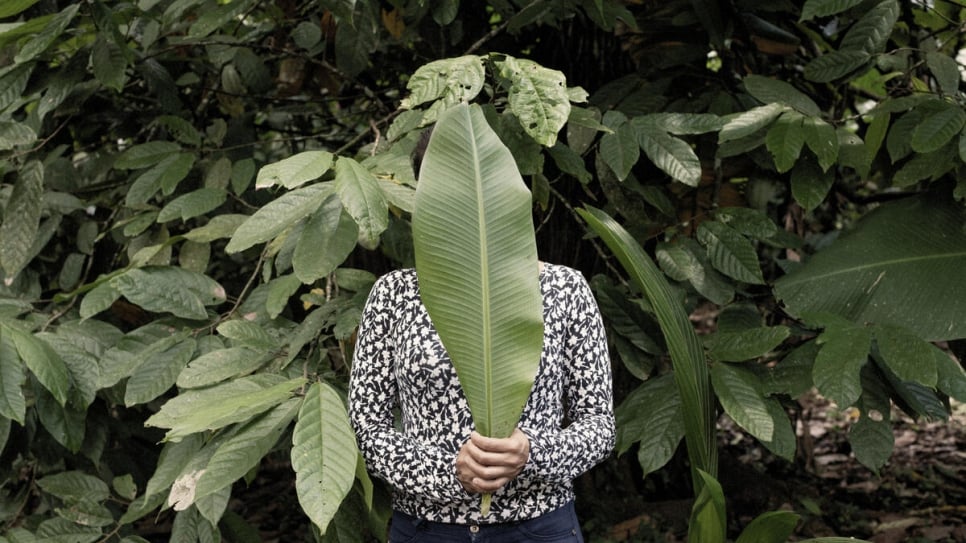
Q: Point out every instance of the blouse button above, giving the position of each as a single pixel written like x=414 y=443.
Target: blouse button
x=474 y=528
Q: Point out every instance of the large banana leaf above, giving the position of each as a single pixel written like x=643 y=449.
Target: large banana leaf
x=476 y=262
x=903 y=264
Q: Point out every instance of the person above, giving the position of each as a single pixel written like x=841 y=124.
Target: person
x=435 y=462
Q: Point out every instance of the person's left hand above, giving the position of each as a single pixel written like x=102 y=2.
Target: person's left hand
x=485 y=464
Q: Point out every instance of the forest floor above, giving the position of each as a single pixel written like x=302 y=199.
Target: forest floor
x=919 y=496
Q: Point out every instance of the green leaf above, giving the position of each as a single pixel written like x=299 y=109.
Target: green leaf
x=40 y=359
x=13 y=134
x=770 y=527
x=709 y=521
x=75 y=486
x=164 y=176
x=740 y=395
x=13 y=82
x=145 y=155
x=651 y=415
x=785 y=140
x=219 y=365
x=13 y=7
x=784 y=441
x=837 y=64
x=218 y=227
x=871 y=435
x=181 y=129
x=620 y=150
x=218 y=17
x=839 y=362
x=476 y=261
x=13 y=405
x=276 y=216
x=245 y=449
x=687 y=356
x=109 y=63
x=538 y=97
x=248 y=333
x=672 y=155
x=767 y=90
x=686 y=261
x=324 y=454
x=570 y=162
x=452 y=80
x=120 y=361
x=730 y=252
x=793 y=374
x=192 y=204
x=21 y=219
x=945 y=70
x=328 y=238
x=363 y=199
x=215 y=407
x=169 y=289
x=821 y=138
x=681 y=123
x=746 y=344
x=295 y=170
x=158 y=372
x=64 y=423
x=98 y=299
x=865 y=275
x=871 y=32
x=39 y=43
x=951 y=378
x=938 y=128
x=748 y=122
x=824 y=8
x=174 y=458
x=279 y=292
x=909 y=357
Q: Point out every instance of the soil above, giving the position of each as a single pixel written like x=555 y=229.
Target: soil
x=919 y=496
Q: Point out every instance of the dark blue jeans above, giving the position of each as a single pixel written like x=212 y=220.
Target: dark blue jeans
x=557 y=526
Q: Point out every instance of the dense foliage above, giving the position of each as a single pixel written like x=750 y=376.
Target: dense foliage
x=198 y=194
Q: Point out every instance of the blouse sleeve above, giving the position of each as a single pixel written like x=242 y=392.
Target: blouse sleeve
x=398 y=459
x=562 y=456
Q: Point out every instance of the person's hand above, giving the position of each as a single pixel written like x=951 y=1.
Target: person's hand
x=485 y=464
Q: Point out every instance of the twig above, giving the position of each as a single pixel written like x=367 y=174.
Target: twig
x=489 y=36
x=248 y=285
x=593 y=242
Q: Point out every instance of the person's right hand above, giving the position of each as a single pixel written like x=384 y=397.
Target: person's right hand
x=485 y=464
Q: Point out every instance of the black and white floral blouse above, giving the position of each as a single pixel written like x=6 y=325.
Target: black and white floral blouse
x=399 y=363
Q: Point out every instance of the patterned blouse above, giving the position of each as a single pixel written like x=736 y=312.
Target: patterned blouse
x=400 y=364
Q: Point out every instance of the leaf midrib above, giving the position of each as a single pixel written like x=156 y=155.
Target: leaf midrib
x=485 y=286
x=882 y=263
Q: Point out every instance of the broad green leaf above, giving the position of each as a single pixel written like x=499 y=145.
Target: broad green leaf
x=898 y=140
x=951 y=378
x=770 y=527
x=821 y=138
x=620 y=150
x=730 y=252
x=452 y=80
x=324 y=454
x=476 y=260
x=280 y=290
x=246 y=448
x=865 y=275
x=39 y=43
x=746 y=344
x=98 y=299
x=363 y=199
x=169 y=289
x=784 y=441
x=13 y=7
x=295 y=170
x=871 y=435
x=909 y=357
x=538 y=97
x=13 y=405
x=685 y=260
x=651 y=415
x=768 y=90
x=945 y=70
x=145 y=155
x=13 y=83
x=824 y=8
x=792 y=375
x=218 y=227
x=871 y=32
x=276 y=216
x=839 y=362
x=21 y=219
x=680 y=123
x=158 y=372
x=570 y=162
x=174 y=458
x=61 y=529
x=218 y=365
x=75 y=486
x=215 y=407
x=876 y=134
x=810 y=185
x=709 y=521
x=748 y=221
x=328 y=238
x=748 y=122
x=192 y=204
x=181 y=129
x=739 y=392
x=671 y=154
x=163 y=175
x=687 y=357
x=109 y=63
x=64 y=423
x=40 y=359
x=924 y=166
x=249 y=334
x=14 y=134
x=835 y=65
x=785 y=139
x=938 y=128
x=217 y=17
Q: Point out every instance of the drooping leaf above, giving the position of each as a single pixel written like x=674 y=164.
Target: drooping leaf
x=671 y=154
x=835 y=65
x=871 y=435
x=785 y=139
x=164 y=175
x=708 y=522
x=329 y=236
x=13 y=405
x=748 y=122
x=363 y=198
x=768 y=90
x=681 y=123
x=871 y=32
x=865 y=275
x=730 y=252
x=21 y=219
x=951 y=378
x=746 y=344
x=295 y=170
x=49 y=33
x=273 y=218
x=145 y=155
x=770 y=527
x=476 y=260
x=783 y=441
x=824 y=8
x=739 y=392
x=218 y=365
x=158 y=372
x=844 y=351
x=821 y=139
x=946 y=71
x=620 y=150
x=652 y=416
x=324 y=454
x=451 y=80
x=538 y=97
x=109 y=63
x=170 y=289
x=75 y=486
x=192 y=204
x=40 y=359
x=910 y=358
x=938 y=128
